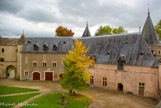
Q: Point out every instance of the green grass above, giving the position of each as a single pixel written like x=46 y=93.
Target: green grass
x=51 y=101
x=10 y=90
x=10 y=70
x=10 y=101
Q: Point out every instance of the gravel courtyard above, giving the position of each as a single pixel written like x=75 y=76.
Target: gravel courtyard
x=101 y=98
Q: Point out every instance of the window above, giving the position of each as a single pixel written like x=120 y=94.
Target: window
x=44 y=64
x=91 y=80
x=141 y=84
x=26 y=73
x=121 y=62
x=152 y=51
x=55 y=47
x=54 y=64
x=1 y=59
x=45 y=47
x=120 y=66
x=159 y=52
x=2 y=50
x=36 y=47
x=34 y=64
x=104 y=81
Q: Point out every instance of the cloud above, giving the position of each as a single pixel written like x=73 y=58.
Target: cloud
x=42 y=17
x=10 y=6
x=38 y=14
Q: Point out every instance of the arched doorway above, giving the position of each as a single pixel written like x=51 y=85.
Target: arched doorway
x=10 y=72
x=120 y=87
x=36 y=76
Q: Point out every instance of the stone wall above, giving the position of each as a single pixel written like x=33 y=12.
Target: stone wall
x=130 y=77
x=10 y=58
x=27 y=64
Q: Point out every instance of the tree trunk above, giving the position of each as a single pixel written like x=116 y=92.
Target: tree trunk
x=73 y=93
x=70 y=93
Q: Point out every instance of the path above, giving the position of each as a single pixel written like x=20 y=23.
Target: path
x=101 y=98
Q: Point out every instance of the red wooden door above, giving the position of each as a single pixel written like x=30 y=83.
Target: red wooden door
x=36 y=76
x=48 y=76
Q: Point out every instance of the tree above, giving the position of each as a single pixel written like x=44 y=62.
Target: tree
x=64 y=32
x=119 y=30
x=107 y=30
x=76 y=74
x=158 y=29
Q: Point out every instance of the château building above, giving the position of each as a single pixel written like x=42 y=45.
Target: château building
x=125 y=62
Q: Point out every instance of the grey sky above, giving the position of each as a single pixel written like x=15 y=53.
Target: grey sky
x=42 y=17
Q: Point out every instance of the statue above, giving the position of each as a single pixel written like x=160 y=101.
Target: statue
x=63 y=101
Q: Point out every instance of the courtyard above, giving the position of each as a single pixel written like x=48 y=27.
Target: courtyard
x=100 y=98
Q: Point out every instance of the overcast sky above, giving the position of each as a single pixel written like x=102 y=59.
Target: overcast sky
x=42 y=17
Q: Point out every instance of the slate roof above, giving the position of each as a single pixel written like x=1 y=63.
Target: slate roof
x=149 y=33
x=63 y=44
x=106 y=49
x=86 y=32
x=8 y=41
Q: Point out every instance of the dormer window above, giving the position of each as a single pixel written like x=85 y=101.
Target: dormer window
x=55 y=47
x=36 y=47
x=29 y=41
x=108 y=52
x=93 y=57
x=127 y=42
x=141 y=52
x=121 y=62
x=64 y=42
x=45 y=47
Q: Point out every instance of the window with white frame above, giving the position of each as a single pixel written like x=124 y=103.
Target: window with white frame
x=26 y=73
x=54 y=64
x=34 y=64
x=44 y=64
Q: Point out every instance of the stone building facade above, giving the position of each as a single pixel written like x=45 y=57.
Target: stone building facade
x=136 y=80
x=41 y=63
x=9 y=56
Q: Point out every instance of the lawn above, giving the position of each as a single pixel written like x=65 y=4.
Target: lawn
x=10 y=101
x=51 y=101
x=10 y=90
x=10 y=70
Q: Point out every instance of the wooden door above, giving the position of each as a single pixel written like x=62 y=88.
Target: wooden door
x=36 y=76
x=49 y=76
x=141 y=91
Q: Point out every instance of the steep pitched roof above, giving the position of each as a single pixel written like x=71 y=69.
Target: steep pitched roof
x=108 y=49
x=149 y=33
x=86 y=32
x=63 y=44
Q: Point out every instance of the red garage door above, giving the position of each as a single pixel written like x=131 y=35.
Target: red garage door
x=36 y=76
x=49 y=76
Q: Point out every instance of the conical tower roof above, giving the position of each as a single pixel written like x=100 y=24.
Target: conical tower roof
x=22 y=39
x=86 y=32
x=149 y=33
